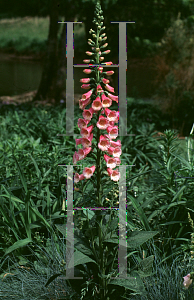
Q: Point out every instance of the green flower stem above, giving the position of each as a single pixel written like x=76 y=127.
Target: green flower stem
x=99 y=192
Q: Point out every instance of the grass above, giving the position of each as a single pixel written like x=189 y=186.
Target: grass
x=30 y=152
x=29 y=35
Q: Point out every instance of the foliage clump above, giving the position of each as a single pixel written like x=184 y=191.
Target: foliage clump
x=175 y=80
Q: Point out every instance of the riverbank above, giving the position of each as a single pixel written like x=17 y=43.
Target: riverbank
x=28 y=97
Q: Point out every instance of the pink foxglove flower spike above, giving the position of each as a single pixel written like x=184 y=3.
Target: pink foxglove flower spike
x=101 y=99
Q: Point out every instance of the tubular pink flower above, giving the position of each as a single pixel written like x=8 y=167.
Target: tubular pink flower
x=112 y=123
x=104 y=143
x=87 y=71
x=87 y=61
x=88 y=113
x=114 y=174
x=115 y=144
x=113 y=131
x=88 y=172
x=100 y=69
x=86 y=142
x=89 y=53
x=75 y=158
x=107 y=102
x=110 y=150
x=84 y=152
x=118 y=161
x=85 y=86
x=99 y=88
x=102 y=123
x=84 y=103
x=101 y=58
x=85 y=80
x=111 y=115
x=78 y=177
x=116 y=152
x=110 y=161
x=97 y=105
x=87 y=95
x=108 y=63
x=109 y=88
x=187 y=281
x=82 y=123
x=109 y=72
x=86 y=131
x=78 y=141
x=112 y=97
x=103 y=96
x=105 y=81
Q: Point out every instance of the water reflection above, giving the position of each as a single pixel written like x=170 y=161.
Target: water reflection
x=17 y=77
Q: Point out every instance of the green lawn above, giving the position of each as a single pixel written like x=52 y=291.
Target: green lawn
x=29 y=34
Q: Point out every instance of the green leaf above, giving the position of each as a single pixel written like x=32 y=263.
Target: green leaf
x=80 y=259
x=61 y=228
x=168 y=206
x=90 y=213
x=133 y=282
x=183 y=161
x=178 y=193
x=136 y=239
x=113 y=225
x=11 y=197
x=81 y=245
x=27 y=215
x=52 y=278
x=21 y=175
x=146 y=265
x=140 y=212
x=38 y=173
x=18 y=244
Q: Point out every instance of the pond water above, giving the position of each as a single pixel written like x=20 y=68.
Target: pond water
x=21 y=76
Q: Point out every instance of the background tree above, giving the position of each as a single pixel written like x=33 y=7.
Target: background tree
x=152 y=17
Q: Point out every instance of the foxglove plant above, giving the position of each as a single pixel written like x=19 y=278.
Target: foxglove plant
x=98 y=138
